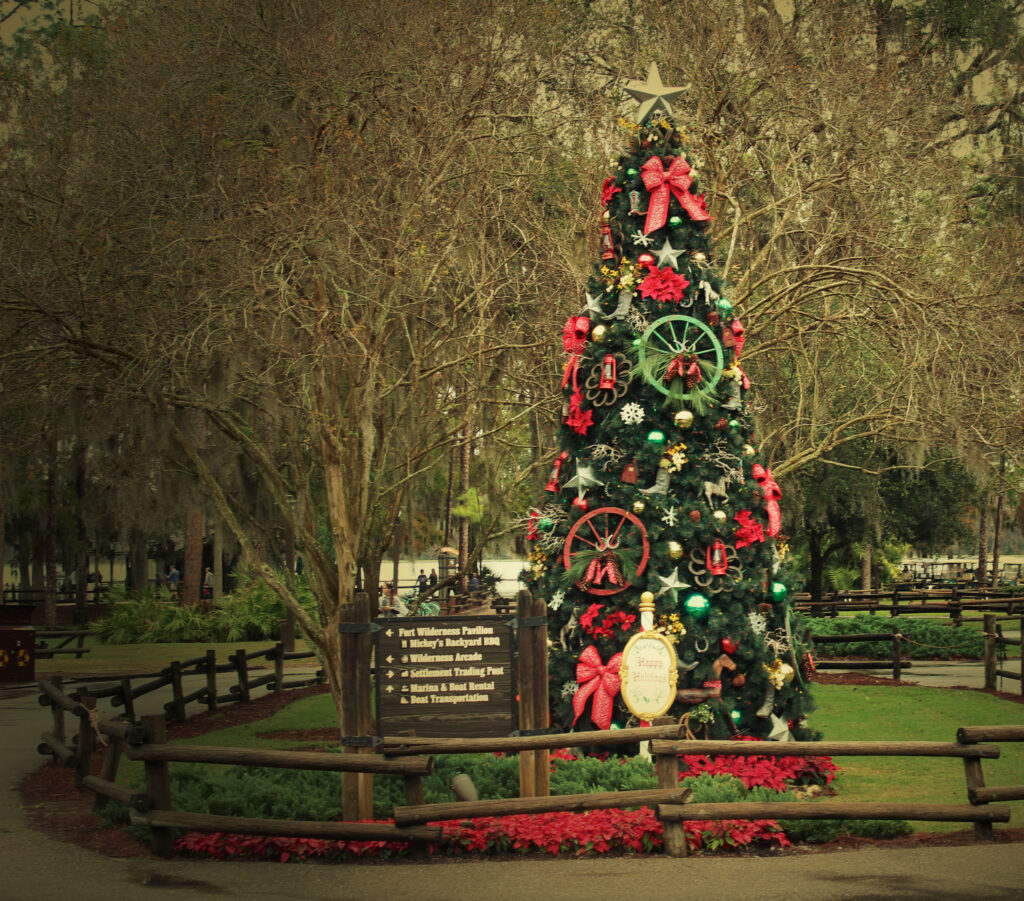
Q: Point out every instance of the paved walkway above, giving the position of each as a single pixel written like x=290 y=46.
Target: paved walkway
x=36 y=868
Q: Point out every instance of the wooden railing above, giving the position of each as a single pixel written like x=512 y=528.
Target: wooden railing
x=954 y=601
x=125 y=692
x=412 y=758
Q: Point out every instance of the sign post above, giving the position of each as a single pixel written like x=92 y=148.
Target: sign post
x=445 y=677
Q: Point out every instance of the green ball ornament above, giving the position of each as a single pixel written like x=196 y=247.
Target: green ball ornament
x=545 y=524
x=779 y=592
x=736 y=716
x=697 y=605
x=656 y=437
x=675 y=221
x=631 y=172
x=724 y=307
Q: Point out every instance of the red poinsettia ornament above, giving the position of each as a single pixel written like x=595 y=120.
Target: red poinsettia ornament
x=664 y=284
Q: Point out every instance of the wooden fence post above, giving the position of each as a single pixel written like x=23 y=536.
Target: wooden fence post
x=364 y=692
x=356 y=713
x=158 y=786
x=108 y=772
x=278 y=666
x=667 y=768
x=177 y=705
x=242 y=669
x=58 y=713
x=541 y=711
x=211 y=679
x=976 y=779
x=896 y=672
x=524 y=684
x=129 y=701
x=989 y=629
x=86 y=735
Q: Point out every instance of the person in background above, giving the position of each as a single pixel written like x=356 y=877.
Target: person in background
x=208 y=583
x=173 y=578
x=433 y=578
x=421 y=581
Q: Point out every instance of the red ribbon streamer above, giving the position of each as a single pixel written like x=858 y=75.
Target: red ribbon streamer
x=676 y=181
x=772 y=495
x=600 y=680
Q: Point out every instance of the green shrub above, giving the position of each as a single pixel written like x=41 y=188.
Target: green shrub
x=927 y=639
x=252 y=612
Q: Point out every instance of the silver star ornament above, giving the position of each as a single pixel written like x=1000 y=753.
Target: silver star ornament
x=652 y=94
x=668 y=255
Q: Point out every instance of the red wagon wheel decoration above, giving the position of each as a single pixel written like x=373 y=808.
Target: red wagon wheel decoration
x=605 y=530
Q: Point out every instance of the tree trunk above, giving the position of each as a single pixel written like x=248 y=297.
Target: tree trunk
x=50 y=552
x=997 y=531
x=140 y=562
x=464 y=521
x=449 y=497
x=82 y=539
x=218 y=563
x=983 y=542
x=192 y=571
x=865 y=567
x=817 y=566
x=3 y=519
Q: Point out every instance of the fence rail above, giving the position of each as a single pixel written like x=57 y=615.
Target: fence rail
x=412 y=758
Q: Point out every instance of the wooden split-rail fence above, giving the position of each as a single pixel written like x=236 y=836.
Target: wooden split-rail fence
x=410 y=758
x=994 y=640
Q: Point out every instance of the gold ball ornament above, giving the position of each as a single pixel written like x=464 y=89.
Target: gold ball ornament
x=787 y=672
x=720 y=516
x=675 y=550
x=684 y=419
x=647 y=597
x=598 y=333
x=639 y=506
x=749 y=450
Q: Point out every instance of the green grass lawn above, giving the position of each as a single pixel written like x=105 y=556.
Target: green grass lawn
x=858 y=713
x=128 y=659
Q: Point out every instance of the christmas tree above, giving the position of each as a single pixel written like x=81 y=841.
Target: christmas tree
x=659 y=514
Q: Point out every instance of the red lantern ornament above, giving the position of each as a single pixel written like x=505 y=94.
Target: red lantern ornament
x=736 y=327
x=631 y=473
x=607 y=243
x=607 y=373
x=728 y=645
x=555 y=474
x=717 y=562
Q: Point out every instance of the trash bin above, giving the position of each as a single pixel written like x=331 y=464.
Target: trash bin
x=17 y=654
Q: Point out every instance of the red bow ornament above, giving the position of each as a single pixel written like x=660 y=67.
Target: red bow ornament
x=661 y=184
x=772 y=495
x=600 y=680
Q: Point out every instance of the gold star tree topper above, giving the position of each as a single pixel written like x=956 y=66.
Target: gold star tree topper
x=652 y=94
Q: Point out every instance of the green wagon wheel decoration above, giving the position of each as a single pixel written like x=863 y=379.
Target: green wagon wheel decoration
x=672 y=352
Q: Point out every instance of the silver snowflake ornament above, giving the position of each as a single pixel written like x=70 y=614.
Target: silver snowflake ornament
x=632 y=414
x=557 y=599
x=670 y=517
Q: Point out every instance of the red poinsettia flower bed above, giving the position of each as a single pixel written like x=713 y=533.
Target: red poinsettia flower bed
x=592 y=832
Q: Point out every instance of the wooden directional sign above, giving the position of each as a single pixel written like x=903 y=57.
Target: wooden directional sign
x=445 y=677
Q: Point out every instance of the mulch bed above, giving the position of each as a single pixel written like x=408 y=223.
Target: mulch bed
x=54 y=807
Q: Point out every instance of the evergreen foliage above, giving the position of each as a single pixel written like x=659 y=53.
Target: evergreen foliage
x=656 y=475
